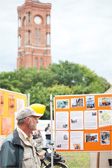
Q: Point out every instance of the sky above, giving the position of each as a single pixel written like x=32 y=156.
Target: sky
x=81 y=32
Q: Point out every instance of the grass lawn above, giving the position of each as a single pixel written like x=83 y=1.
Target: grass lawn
x=76 y=159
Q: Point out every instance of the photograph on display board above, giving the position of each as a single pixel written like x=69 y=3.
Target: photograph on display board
x=90 y=119
x=77 y=102
x=76 y=120
x=62 y=140
x=76 y=140
x=62 y=120
x=62 y=104
x=104 y=101
x=91 y=137
x=105 y=138
x=90 y=102
x=105 y=118
x=20 y=104
x=6 y=125
x=1 y=103
x=11 y=103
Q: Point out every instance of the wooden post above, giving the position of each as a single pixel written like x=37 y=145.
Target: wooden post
x=98 y=159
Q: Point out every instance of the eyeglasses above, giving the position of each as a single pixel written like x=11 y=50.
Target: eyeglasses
x=34 y=118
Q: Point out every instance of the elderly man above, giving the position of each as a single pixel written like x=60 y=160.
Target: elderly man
x=18 y=149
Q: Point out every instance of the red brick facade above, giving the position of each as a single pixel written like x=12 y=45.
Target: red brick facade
x=34 y=46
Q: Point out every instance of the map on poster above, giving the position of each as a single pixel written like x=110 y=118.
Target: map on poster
x=105 y=118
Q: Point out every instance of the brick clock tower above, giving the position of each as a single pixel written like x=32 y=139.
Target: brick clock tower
x=34 y=34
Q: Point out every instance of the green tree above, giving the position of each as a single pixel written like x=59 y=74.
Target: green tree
x=64 y=78
x=67 y=73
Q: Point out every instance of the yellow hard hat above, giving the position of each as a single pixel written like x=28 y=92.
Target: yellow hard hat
x=38 y=108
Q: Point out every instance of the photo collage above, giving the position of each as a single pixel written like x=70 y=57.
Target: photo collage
x=81 y=120
x=10 y=102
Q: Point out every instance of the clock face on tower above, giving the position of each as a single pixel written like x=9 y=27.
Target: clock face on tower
x=37 y=20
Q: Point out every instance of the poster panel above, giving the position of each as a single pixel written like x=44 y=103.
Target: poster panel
x=90 y=102
x=1 y=103
x=90 y=119
x=87 y=120
x=76 y=120
x=6 y=125
x=62 y=121
x=62 y=140
x=104 y=101
x=77 y=102
x=11 y=104
x=91 y=137
x=105 y=138
x=62 y=104
x=20 y=104
x=76 y=140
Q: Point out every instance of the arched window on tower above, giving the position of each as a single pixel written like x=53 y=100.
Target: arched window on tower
x=21 y=62
x=48 y=39
x=41 y=62
x=36 y=36
x=29 y=37
x=19 y=55
x=24 y=21
x=25 y=37
x=19 y=22
x=36 y=62
x=29 y=17
x=19 y=41
x=39 y=36
x=48 y=20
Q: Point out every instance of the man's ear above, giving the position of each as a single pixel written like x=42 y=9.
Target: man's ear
x=28 y=120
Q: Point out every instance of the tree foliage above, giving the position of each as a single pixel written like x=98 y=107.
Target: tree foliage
x=64 y=78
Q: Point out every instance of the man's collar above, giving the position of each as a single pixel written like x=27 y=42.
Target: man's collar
x=25 y=136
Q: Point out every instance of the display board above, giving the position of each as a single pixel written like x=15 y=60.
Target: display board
x=83 y=122
x=10 y=102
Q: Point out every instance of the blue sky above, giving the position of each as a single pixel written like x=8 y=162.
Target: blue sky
x=81 y=32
